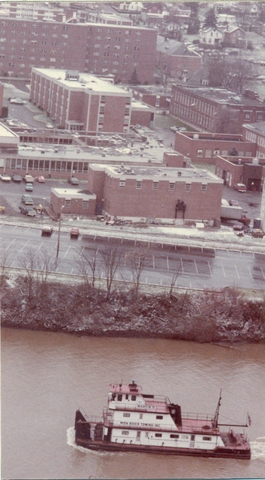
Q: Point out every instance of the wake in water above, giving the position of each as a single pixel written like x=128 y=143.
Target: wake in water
x=71 y=442
x=258 y=449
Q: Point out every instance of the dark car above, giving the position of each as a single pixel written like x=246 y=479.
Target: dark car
x=17 y=178
x=26 y=199
x=74 y=233
x=27 y=210
x=73 y=181
x=46 y=230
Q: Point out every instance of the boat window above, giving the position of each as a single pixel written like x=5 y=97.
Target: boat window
x=208 y=439
x=184 y=437
x=119 y=397
x=141 y=416
x=133 y=397
x=174 y=435
x=126 y=396
x=158 y=434
x=126 y=414
x=125 y=432
x=159 y=417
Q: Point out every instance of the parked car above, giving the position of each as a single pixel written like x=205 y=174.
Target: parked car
x=28 y=179
x=46 y=230
x=233 y=203
x=74 y=233
x=29 y=187
x=238 y=226
x=73 y=181
x=17 y=178
x=40 y=179
x=25 y=198
x=240 y=187
x=5 y=177
x=27 y=211
x=17 y=101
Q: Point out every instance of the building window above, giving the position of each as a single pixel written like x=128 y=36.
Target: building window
x=174 y=435
x=159 y=417
x=158 y=435
x=122 y=183
x=85 y=204
x=155 y=185
x=187 y=187
x=207 y=439
x=199 y=153
x=138 y=184
x=126 y=415
x=125 y=432
x=67 y=203
x=133 y=398
x=172 y=186
x=204 y=187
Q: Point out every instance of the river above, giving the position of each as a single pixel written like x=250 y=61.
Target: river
x=47 y=376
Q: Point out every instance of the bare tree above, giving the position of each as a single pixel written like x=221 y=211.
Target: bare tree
x=137 y=260
x=111 y=258
x=88 y=267
x=29 y=263
x=176 y=272
x=230 y=73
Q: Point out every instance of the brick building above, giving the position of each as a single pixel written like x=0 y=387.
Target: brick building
x=87 y=47
x=79 y=101
x=203 y=147
x=155 y=95
x=164 y=194
x=233 y=170
x=72 y=201
x=256 y=133
x=175 y=59
x=215 y=109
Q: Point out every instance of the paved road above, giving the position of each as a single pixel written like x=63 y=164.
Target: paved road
x=198 y=268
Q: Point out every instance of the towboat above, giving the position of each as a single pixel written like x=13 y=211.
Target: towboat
x=138 y=422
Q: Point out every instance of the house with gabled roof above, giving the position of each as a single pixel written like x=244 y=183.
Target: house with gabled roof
x=234 y=37
x=211 y=36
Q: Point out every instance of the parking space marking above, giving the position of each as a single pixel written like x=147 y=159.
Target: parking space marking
x=21 y=250
x=251 y=276
x=238 y=276
x=223 y=270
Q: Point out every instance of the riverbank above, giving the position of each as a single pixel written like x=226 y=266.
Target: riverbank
x=30 y=302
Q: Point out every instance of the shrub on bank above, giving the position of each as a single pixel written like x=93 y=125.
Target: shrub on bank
x=203 y=317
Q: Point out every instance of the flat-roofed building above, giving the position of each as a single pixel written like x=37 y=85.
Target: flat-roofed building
x=80 y=101
x=215 y=109
x=165 y=194
x=89 y=47
x=72 y=201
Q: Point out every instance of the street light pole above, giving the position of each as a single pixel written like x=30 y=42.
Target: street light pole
x=59 y=234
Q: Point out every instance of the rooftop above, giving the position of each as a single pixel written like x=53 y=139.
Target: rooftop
x=163 y=173
x=258 y=127
x=69 y=193
x=221 y=95
x=81 y=81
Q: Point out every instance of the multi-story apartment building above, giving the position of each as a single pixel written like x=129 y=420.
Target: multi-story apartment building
x=87 y=47
x=167 y=194
x=81 y=101
x=215 y=109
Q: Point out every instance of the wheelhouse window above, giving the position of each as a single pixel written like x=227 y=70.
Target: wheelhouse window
x=174 y=435
x=126 y=414
x=207 y=439
x=158 y=435
x=159 y=417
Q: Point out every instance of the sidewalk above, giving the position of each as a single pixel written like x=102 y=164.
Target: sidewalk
x=223 y=238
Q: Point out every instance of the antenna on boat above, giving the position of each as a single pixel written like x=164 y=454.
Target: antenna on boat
x=216 y=415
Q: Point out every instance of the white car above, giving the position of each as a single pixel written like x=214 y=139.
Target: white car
x=17 y=101
x=5 y=177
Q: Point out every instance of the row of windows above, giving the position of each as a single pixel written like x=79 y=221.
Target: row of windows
x=172 y=435
x=171 y=186
x=46 y=165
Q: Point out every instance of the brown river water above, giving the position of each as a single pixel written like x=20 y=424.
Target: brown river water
x=47 y=376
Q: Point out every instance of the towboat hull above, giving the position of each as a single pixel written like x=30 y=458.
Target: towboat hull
x=119 y=447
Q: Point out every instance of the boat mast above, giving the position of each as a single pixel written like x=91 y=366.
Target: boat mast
x=216 y=415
